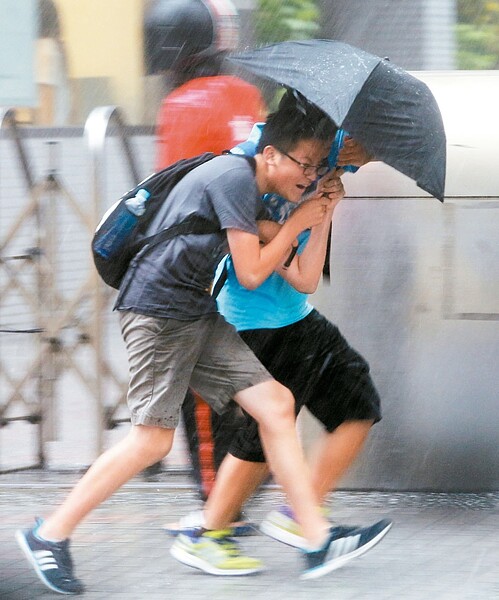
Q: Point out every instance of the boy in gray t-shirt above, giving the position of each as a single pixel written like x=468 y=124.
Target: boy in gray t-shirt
x=175 y=338
x=172 y=279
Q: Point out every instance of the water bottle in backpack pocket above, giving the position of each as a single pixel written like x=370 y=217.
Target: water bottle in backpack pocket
x=118 y=224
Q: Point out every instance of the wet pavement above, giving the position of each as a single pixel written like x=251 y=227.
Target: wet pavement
x=442 y=546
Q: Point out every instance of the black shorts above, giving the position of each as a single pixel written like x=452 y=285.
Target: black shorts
x=317 y=364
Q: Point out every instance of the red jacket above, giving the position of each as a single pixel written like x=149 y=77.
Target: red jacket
x=207 y=114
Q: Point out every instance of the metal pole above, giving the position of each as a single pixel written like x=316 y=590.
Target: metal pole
x=96 y=130
x=48 y=294
x=8 y=119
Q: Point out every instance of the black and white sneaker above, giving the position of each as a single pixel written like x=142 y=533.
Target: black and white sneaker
x=344 y=543
x=51 y=561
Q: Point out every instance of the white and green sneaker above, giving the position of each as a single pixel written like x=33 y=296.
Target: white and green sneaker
x=213 y=552
x=281 y=525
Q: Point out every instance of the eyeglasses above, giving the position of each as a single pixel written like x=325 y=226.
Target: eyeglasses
x=308 y=170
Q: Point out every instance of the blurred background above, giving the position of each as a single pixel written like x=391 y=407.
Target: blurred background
x=61 y=58
x=415 y=284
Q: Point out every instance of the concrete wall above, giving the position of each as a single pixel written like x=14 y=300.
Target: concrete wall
x=415 y=288
x=103 y=41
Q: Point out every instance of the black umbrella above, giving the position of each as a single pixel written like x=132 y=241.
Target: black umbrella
x=393 y=114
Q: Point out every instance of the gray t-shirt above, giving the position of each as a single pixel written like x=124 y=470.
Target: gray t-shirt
x=174 y=278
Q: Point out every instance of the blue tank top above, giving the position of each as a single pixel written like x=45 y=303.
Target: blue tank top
x=273 y=304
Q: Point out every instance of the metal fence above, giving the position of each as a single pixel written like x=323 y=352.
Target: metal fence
x=57 y=344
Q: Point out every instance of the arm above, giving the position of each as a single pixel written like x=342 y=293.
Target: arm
x=305 y=271
x=267 y=230
x=253 y=263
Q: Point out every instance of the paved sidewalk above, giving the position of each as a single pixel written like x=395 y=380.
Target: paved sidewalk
x=442 y=546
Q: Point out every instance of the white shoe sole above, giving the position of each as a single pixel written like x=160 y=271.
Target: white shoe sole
x=281 y=535
x=336 y=563
x=192 y=561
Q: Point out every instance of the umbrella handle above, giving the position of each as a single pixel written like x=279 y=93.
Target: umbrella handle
x=337 y=145
x=292 y=254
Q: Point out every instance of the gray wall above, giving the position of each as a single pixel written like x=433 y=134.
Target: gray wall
x=415 y=288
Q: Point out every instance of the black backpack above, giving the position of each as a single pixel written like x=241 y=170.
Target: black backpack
x=128 y=231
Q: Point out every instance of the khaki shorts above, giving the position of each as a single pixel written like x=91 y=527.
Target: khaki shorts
x=167 y=356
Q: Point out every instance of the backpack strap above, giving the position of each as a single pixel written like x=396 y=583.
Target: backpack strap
x=193 y=224
x=221 y=279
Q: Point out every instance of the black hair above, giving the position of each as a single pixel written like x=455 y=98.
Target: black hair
x=48 y=20
x=295 y=119
x=209 y=65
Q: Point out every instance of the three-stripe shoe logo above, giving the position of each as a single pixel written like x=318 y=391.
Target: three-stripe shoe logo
x=45 y=560
x=344 y=545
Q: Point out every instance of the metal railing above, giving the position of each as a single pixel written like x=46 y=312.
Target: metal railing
x=31 y=394
x=97 y=128
x=13 y=266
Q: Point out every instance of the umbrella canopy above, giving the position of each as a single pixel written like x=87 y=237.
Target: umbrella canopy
x=393 y=114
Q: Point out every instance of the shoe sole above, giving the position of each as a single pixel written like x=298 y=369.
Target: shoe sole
x=192 y=561
x=23 y=544
x=336 y=563
x=281 y=535
x=173 y=529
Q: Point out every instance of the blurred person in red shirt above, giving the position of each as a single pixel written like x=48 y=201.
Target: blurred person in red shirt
x=207 y=110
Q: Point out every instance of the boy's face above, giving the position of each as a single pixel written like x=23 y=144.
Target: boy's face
x=290 y=179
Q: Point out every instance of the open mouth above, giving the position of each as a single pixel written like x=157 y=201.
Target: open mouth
x=307 y=189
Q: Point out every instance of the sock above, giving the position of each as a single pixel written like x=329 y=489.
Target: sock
x=317 y=548
x=36 y=533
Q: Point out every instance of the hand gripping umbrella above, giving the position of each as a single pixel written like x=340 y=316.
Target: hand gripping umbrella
x=390 y=112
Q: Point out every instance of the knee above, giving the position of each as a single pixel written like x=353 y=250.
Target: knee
x=280 y=406
x=153 y=443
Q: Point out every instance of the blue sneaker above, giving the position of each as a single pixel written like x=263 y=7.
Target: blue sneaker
x=51 y=561
x=344 y=543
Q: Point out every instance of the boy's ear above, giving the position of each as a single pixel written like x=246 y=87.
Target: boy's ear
x=270 y=154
